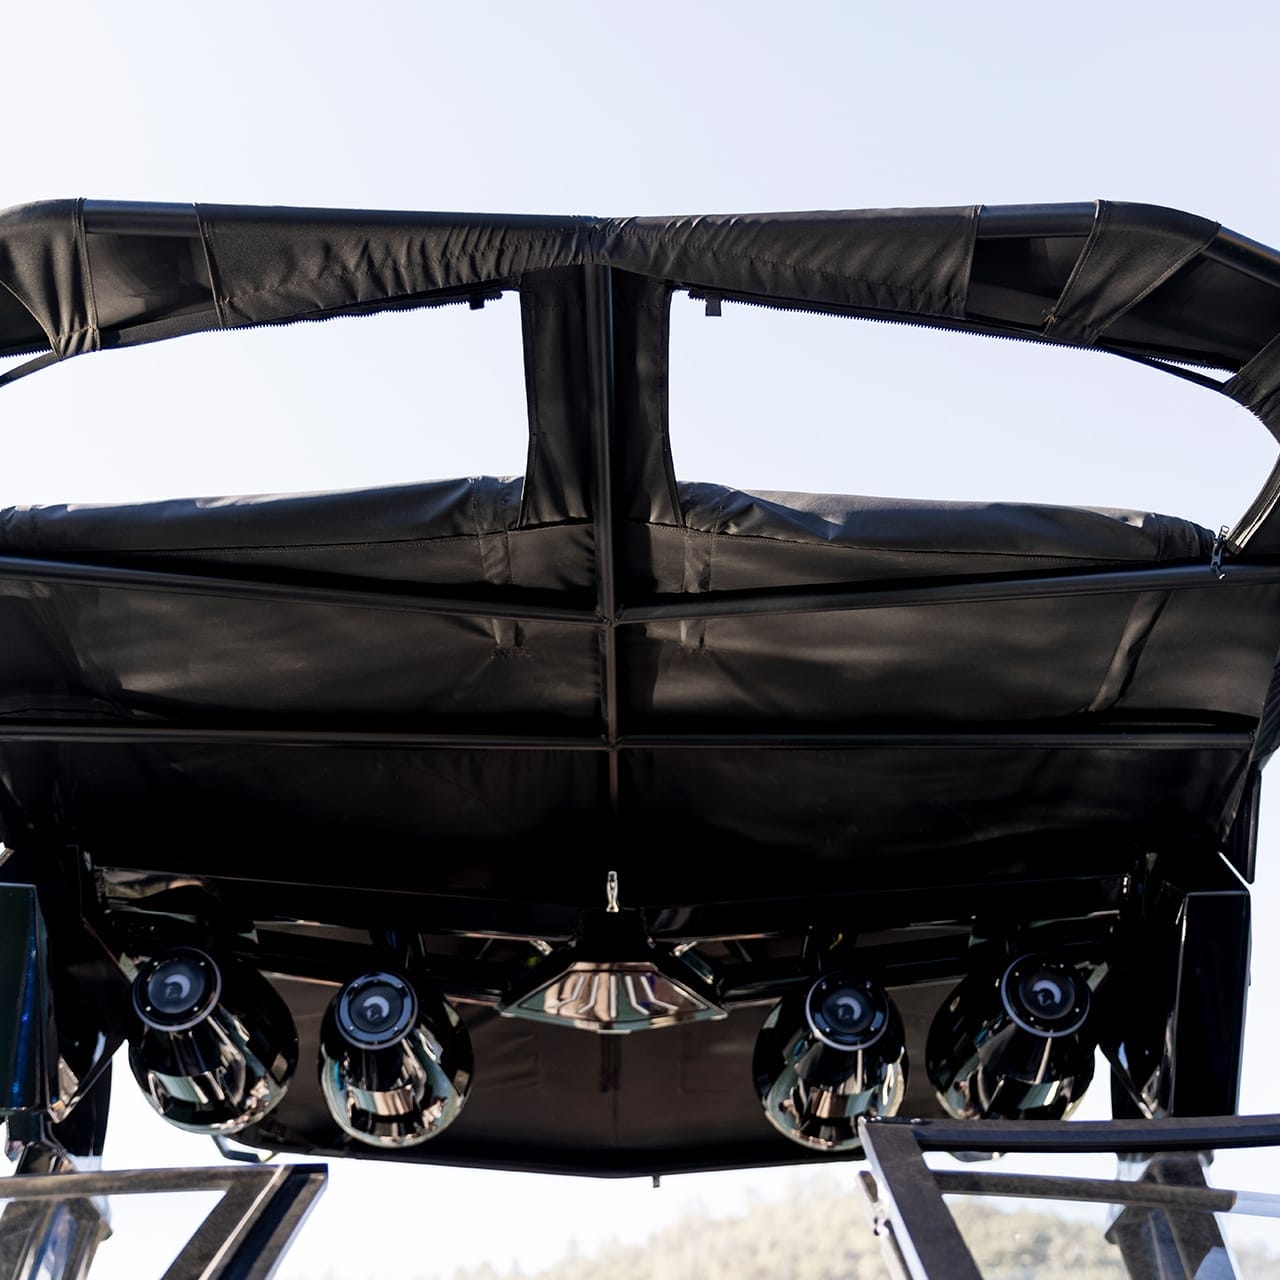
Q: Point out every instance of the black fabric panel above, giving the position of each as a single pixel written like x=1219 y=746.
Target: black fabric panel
x=730 y=539
x=42 y=265
x=1030 y=660
x=1206 y=310
x=558 y=474
x=274 y=263
x=40 y=672
x=269 y=264
x=1209 y=650
x=19 y=331
x=1144 y=613
x=550 y=1098
x=1131 y=250
x=642 y=441
x=138 y=279
x=1257 y=386
x=1268 y=735
x=451 y=532
x=423 y=821
x=876 y=523
x=254 y=265
x=180 y=656
x=253 y=522
x=1257 y=532
x=909 y=260
x=781 y=823
x=1017 y=279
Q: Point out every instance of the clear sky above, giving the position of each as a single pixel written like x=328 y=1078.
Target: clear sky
x=660 y=108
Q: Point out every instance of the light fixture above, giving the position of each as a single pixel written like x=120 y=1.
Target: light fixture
x=214 y=1046
x=395 y=1061
x=1013 y=1043
x=613 y=980
x=827 y=1056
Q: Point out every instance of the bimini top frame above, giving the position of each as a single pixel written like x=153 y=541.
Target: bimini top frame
x=757 y=709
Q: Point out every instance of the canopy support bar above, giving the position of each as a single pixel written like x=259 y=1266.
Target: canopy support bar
x=390 y=596
x=598 y=283
x=106 y=733
x=837 y=598
x=842 y=598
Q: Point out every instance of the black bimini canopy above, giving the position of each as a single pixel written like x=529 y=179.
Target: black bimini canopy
x=487 y=693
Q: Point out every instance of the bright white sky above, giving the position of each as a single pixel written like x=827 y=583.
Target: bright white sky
x=664 y=108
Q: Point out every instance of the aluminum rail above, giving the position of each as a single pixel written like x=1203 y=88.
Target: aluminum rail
x=1131 y=1137
x=242 y=1237
x=1045 y=1186
x=920 y=1238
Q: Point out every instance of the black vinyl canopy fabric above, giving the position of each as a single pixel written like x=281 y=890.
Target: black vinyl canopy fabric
x=597 y=602
x=1147 y=282
x=497 y=689
x=149 y=656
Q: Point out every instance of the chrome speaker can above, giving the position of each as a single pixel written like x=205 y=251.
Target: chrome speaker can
x=827 y=1056
x=214 y=1046
x=395 y=1061
x=1014 y=1044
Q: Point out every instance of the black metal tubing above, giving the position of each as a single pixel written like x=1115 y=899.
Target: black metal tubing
x=348 y=905
x=995 y=222
x=1138 y=739
x=1258 y=261
x=274 y=1224
x=908 y=1210
x=1039 y=221
x=899 y=902
x=133 y=218
x=1042 y=1186
x=144 y=218
x=924 y=1243
x=598 y=284
x=713 y=604
x=1182 y=1133
x=222 y=1230
x=242 y=1238
x=936 y=591
x=1049 y=221
x=359 y=903
x=187 y=734
x=1089 y=896
x=122 y=1182
x=106 y=733
x=389 y=597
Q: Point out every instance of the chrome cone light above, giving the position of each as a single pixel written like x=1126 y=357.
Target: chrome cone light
x=613 y=981
x=828 y=1057
x=395 y=1062
x=1014 y=1045
x=214 y=1047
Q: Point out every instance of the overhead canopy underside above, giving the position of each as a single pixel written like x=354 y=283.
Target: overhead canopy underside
x=554 y=667
x=457 y=743
x=499 y=689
